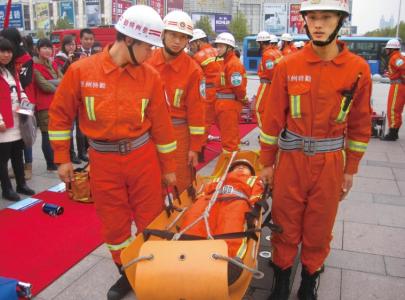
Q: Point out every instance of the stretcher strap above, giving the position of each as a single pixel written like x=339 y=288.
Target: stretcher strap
x=168 y=235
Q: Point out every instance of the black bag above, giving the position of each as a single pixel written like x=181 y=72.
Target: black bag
x=28 y=128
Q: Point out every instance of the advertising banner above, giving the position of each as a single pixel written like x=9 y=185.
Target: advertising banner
x=296 y=24
x=67 y=10
x=93 y=13
x=197 y=17
x=118 y=7
x=144 y=2
x=275 y=18
x=222 y=22
x=174 y=4
x=159 y=6
x=16 y=16
x=42 y=15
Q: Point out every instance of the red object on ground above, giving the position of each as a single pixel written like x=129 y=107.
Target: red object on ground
x=38 y=248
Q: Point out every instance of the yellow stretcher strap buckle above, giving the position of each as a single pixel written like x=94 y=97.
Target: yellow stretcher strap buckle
x=182 y=270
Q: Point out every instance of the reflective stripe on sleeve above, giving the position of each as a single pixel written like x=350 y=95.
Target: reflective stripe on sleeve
x=121 y=246
x=268 y=139
x=208 y=61
x=196 y=130
x=59 y=135
x=357 y=146
x=167 y=148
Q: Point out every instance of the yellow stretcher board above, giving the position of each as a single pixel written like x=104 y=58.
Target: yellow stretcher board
x=185 y=270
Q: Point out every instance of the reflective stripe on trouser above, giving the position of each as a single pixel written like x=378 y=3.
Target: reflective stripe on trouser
x=395 y=106
x=183 y=172
x=261 y=96
x=306 y=195
x=125 y=188
x=209 y=117
x=225 y=217
x=227 y=118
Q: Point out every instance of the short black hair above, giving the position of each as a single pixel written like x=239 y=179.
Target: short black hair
x=7 y=45
x=67 y=39
x=44 y=43
x=14 y=36
x=87 y=31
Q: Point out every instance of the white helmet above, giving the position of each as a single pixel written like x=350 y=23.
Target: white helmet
x=225 y=38
x=287 y=37
x=263 y=36
x=179 y=21
x=336 y=5
x=142 y=23
x=393 y=44
x=273 y=39
x=198 y=34
x=299 y=44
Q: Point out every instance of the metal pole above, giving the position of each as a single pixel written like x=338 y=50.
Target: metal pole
x=399 y=18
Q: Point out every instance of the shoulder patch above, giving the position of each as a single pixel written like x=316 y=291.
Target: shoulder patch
x=202 y=88
x=399 y=62
x=269 y=64
x=236 y=79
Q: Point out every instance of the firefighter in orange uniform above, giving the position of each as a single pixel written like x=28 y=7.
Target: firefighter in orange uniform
x=287 y=45
x=396 y=97
x=122 y=110
x=270 y=58
x=316 y=128
x=207 y=57
x=240 y=191
x=185 y=89
x=231 y=96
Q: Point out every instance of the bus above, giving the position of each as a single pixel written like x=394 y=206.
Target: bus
x=370 y=48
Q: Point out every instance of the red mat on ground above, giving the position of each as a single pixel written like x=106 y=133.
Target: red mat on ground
x=38 y=248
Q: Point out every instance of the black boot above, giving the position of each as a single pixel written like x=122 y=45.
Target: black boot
x=308 y=288
x=392 y=135
x=120 y=288
x=25 y=190
x=281 y=288
x=11 y=195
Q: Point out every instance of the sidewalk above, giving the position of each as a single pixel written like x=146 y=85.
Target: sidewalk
x=367 y=259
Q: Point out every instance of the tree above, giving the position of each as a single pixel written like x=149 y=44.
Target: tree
x=63 y=23
x=205 y=25
x=238 y=27
x=389 y=32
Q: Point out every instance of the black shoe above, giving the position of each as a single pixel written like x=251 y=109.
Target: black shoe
x=74 y=159
x=281 y=283
x=392 y=135
x=308 y=287
x=83 y=157
x=25 y=190
x=52 y=167
x=120 y=289
x=11 y=195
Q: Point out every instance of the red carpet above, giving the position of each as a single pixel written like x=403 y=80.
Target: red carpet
x=38 y=248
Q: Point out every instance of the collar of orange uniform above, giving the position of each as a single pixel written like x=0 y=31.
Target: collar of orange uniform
x=311 y=56
x=109 y=65
x=175 y=63
x=229 y=56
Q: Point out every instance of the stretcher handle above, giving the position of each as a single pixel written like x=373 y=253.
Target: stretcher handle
x=256 y=273
x=136 y=260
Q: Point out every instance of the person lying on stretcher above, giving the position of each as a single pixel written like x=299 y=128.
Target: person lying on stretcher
x=240 y=191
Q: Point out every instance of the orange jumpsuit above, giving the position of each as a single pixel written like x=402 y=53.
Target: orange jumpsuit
x=396 y=96
x=271 y=57
x=288 y=49
x=185 y=90
x=229 y=102
x=306 y=98
x=212 y=67
x=114 y=104
x=228 y=213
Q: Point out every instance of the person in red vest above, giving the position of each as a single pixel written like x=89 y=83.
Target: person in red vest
x=396 y=96
x=232 y=95
x=47 y=77
x=213 y=67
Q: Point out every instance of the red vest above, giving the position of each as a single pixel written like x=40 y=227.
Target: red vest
x=5 y=101
x=44 y=99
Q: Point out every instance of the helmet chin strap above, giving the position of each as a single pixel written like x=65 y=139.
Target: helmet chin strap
x=226 y=51
x=170 y=51
x=131 y=53
x=330 y=39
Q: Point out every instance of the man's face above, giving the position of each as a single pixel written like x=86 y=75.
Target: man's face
x=175 y=41
x=142 y=51
x=221 y=49
x=321 y=24
x=87 y=41
x=194 y=46
x=241 y=169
